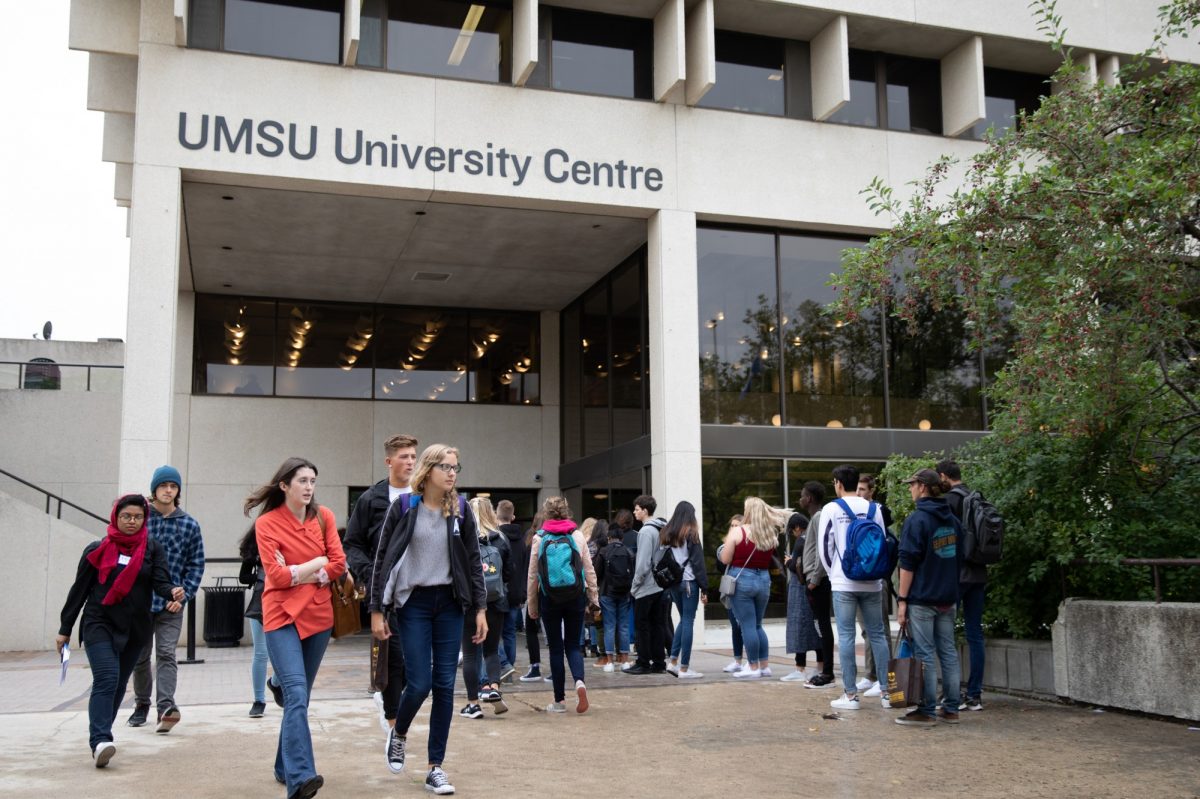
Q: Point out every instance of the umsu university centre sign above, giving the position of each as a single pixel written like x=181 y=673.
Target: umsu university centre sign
x=274 y=139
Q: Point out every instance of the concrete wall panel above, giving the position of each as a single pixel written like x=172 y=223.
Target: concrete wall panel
x=963 y=101
x=112 y=83
x=158 y=22
x=525 y=40
x=830 y=61
x=118 y=138
x=104 y=26
x=670 y=60
x=701 y=51
x=351 y=32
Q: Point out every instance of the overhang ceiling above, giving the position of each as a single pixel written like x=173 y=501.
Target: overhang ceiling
x=285 y=243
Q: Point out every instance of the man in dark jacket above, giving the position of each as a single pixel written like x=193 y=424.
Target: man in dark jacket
x=929 y=563
x=362 y=541
x=972 y=587
x=505 y=514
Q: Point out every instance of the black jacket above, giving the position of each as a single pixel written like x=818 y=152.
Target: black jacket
x=516 y=545
x=362 y=531
x=462 y=536
x=126 y=623
x=253 y=575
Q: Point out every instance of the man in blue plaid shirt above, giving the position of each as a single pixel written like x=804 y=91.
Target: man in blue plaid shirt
x=179 y=535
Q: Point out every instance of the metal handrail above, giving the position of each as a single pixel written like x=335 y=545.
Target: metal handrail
x=52 y=496
x=22 y=366
x=1153 y=563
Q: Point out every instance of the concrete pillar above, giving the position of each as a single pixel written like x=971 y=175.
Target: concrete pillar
x=525 y=40
x=351 y=32
x=117 y=147
x=670 y=61
x=123 y=184
x=112 y=83
x=105 y=26
x=675 y=362
x=181 y=17
x=1109 y=69
x=830 y=53
x=146 y=404
x=701 y=51
x=1090 y=72
x=963 y=102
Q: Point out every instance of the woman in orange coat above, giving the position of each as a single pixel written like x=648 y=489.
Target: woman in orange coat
x=301 y=553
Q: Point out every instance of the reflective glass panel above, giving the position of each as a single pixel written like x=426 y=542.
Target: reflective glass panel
x=572 y=380
x=308 y=30
x=863 y=108
x=370 y=39
x=601 y=54
x=914 y=95
x=739 y=352
x=324 y=350
x=750 y=74
x=502 y=359
x=451 y=39
x=597 y=429
x=204 y=24
x=833 y=371
x=422 y=355
x=627 y=353
x=1006 y=94
x=234 y=346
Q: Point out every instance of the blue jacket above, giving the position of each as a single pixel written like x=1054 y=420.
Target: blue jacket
x=180 y=537
x=929 y=549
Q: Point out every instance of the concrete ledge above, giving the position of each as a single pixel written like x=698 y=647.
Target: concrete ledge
x=1016 y=665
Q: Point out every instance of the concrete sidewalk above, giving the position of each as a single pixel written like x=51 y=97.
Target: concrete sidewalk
x=644 y=737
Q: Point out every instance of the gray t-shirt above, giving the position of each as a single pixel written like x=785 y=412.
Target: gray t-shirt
x=425 y=562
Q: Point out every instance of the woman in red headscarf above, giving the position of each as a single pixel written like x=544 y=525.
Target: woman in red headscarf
x=112 y=587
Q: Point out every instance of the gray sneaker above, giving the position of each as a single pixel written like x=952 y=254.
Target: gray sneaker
x=556 y=707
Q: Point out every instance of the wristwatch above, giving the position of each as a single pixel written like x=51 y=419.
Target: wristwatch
x=902 y=599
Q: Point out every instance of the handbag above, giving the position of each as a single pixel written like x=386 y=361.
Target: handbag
x=344 y=598
x=728 y=585
x=906 y=675
x=379 y=664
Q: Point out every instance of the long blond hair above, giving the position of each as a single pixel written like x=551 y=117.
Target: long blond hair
x=763 y=523
x=485 y=516
x=430 y=458
x=586 y=528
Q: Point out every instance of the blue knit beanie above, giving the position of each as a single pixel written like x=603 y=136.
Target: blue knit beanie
x=165 y=474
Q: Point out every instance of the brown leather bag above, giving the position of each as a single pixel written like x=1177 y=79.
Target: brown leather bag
x=344 y=598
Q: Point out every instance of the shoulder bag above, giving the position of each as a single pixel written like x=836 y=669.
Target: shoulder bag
x=728 y=586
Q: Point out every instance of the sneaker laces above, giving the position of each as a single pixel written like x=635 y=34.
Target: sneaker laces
x=437 y=778
x=396 y=750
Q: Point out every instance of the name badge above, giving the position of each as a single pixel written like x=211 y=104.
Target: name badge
x=123 y=560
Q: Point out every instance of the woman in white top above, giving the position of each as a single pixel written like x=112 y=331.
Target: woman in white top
x=682 y=535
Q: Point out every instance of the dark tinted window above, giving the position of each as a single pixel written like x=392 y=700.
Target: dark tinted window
x=914 y=95
x=627 y=353
x=317 y=350
x=235 y=346
x=503 y=358
x=371 y=24
x=750 y=74
x=863 y=108
x=422 y=355
x=308 y=30
x=597 y=429
x=572 y=384
x=450 y=39
x=601 y=54
x=204 y=24
x=1008 y=93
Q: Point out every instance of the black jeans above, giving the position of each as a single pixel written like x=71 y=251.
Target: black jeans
x=396 y=678
x=821 y=600
x=491 y=651
x=532 y=644
x=648 y=612
x=564 y=631
x=110 y=676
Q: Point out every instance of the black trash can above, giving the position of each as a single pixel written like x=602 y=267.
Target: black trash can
x=224 y=605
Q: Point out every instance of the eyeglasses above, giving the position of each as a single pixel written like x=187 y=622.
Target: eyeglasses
x=127 y=517
x=449 y=467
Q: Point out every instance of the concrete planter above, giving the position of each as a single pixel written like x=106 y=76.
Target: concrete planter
x=1016 y=665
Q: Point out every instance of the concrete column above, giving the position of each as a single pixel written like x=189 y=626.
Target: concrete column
x=351 y=32
x=181 y=16
x=1109 y=69
x=105 y=26
x=830 y=53
x=675 y=367
x=525 y=40
x=670 y=61
x=963 y=102
x=146 y=403
x=117 y=146
x=123 y=184
x=701 y=51
x=1090 y=71
x=112 y=83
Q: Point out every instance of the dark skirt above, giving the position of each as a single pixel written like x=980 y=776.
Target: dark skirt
x=802 y=632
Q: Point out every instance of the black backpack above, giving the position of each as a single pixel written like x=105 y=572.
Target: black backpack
x=618 y=569
x=667 y=571
x=983 y=528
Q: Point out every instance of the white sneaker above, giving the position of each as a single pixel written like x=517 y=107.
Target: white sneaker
x=609 y=668
x=690 y=674
x=863 y=684
x=556 y=707
x=673 y=668
x=748 y=674
x=766 y=671
x=887 y=703
x=103 y=753
x=875 y=690
x=383 y=725
x=627 y=666
x=733 y=667
x=794 y=676
x=845 y=703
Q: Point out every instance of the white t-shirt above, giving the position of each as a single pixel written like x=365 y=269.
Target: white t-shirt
x=394 y=492
x=834 y=523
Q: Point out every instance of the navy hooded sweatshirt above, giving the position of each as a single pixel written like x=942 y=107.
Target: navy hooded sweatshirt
x=929 y=549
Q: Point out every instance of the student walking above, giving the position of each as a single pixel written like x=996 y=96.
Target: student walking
x=682 y=536
x=614 y=574
x=253 y=575
x=497 y=567
x=561 y=582
x=532 y=625
x=820 y=596
x=802 y=635
x=505 y=513
x=429 y=577
x=116 y=578
x=301 y=552
x=748 y=551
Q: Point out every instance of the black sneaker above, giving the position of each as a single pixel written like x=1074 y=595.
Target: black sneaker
x=471 y=711
x=168 y=719
x=276 y=691
x=138 y=718
x=533 y=675
x=490 y=695
x=395 y=752
x=820 y=681
x=308 y=788
x=972 y=704
x=639 y=669
x=257 y=710
x=438 y=782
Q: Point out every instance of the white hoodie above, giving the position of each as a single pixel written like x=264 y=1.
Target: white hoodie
x=834 y=524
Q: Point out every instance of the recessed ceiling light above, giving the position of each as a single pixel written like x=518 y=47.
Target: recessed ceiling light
x=226 y=247
x=596 y=227
x=419 y=213
x=226 y=285
x=226 y=196
x=432 y=277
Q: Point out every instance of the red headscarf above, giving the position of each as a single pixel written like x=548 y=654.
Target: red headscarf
x=117 y=543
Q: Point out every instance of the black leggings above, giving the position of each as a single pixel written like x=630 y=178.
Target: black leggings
x=532 y=644
x=491 y=651
x=821 y=600
x=395 y=683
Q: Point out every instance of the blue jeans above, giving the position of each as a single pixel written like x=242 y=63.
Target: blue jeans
x=110 y=676
x=749 y=605
x=971 y=601
x=430 y=624
x=564 y=626
x=616 y=623
x=846 y=605
x=296 y=662
x=258 y=663
x=686 y=597
x=932 y=630
x=508 y=636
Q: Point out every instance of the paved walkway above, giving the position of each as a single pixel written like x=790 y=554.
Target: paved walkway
x=648 y=736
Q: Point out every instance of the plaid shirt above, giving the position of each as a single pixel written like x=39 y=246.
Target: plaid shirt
x=180 y=537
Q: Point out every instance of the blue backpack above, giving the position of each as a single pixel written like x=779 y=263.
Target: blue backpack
x=560 y=568
x=871 y=552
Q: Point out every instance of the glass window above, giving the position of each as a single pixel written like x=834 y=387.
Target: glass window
x=597 y=428
x=503 y=359
x=863 y=108
x=451 y=39
x=739 y=352
x=914 y=95
x=204 y=24
x=323 y=350
x=234 y=346
x=422 y=355
x=308 y=30
x=371 y=24
x=627 y=353
x=750 y=74
x=833 y=372
x=601 y=54
x=572 y=380
x=801 y=472
x=1006 y=94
